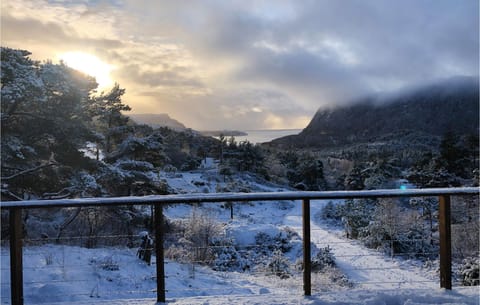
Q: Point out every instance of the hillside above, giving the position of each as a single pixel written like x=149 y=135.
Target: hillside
x=73 y=273
x=433 y=110
x=157 y=120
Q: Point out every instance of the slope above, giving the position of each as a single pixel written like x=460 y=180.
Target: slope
x=91 y=276
x=156 y=120
x=451 y=105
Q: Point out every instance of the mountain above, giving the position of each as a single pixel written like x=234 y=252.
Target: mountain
x=448 y=106
x=157 y=120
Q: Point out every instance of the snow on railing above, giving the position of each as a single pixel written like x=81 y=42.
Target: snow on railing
x=160 y=201
x=229 y=197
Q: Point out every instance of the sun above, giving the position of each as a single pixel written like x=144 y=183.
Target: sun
x=90 y=65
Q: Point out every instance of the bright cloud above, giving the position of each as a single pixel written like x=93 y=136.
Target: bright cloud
x=252 y=64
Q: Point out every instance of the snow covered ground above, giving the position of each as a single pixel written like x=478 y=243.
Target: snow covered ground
x=468 y=296
x=69 y=274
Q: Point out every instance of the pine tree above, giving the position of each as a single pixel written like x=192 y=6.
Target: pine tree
x=108 y=109
x=44 y=122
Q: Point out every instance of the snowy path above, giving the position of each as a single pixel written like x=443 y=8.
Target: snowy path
x=370 y=269
x=134 y=281
x=364 y=266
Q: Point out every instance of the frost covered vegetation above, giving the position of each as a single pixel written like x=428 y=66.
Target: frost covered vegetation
x=409 y=228
x=60 y=138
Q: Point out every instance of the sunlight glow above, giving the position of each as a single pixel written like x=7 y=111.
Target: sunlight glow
x=90 y=65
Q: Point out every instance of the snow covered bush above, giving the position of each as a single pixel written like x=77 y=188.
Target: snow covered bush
x=388 y=225
x=325 y=273
x=107 y=263
x=398 y=230
x=323 y=259
x=197 y=234
x=202 y=240
x=132 y=165
x=279 y=265
x=356 y=215
x=266 y=244
x=465 y=226
x=235 y=186
x=170 y=169
x=330 y=211
x=469 y=271
x=191 y=163
x=227 y=258
x=330 y=278
x=178 y=253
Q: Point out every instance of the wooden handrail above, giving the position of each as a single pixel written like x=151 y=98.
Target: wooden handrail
x=15 y=208
x=222 y=197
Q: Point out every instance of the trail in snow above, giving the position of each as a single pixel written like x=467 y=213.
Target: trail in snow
x=60 y=280
x=363 y=266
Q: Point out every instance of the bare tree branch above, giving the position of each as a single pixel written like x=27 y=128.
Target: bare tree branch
x=11 y=195
x=64 y=193
x=27 y=171
x=67 y=222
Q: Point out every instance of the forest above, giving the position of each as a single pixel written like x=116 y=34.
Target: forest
x=62 y=138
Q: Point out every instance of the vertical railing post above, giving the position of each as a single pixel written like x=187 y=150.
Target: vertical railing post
x=159 y=238
x=445 y=242
x=307 y=263
x=16 y=259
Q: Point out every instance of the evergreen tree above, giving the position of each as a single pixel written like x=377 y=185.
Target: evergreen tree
x=311 y=173
x=354 y=179
x=108 y=109
x=44 y=122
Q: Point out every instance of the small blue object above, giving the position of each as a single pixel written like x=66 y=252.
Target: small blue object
x=403 y=187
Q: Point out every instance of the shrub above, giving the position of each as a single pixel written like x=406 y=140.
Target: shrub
x=323 y=259
x=279 y=265
x=106 y=263
x=282 y=241
x=227 y=258
x=470 y=271
x=331 y=211
x=199 y=232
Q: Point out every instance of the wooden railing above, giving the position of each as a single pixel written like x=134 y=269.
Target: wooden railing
x=15 y=223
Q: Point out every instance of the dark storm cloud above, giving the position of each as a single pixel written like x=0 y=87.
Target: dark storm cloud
x=391 y=44
x=406 y=40
x=304 y=75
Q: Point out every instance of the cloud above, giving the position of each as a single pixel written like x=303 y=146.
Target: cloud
x=237 y=109
x=329 y=52
x=33 y=25
x=30 y=29
x=254 y=63
x=158 y=78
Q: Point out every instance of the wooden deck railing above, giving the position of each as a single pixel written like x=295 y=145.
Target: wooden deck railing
x=15 y=223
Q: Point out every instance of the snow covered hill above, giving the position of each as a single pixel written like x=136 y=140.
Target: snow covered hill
x=60 y=273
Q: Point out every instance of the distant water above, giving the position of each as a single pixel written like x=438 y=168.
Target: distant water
x=265 y=135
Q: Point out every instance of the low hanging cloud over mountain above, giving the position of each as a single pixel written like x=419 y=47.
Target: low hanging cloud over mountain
x=253 y=64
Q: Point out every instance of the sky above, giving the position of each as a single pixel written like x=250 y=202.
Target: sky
x=249 y=64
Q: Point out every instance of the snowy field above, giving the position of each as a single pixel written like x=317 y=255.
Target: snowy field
x=76 y=275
